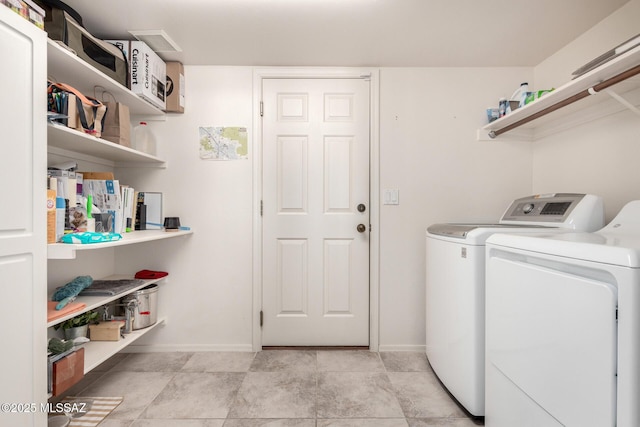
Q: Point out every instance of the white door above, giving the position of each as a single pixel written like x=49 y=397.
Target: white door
x=315 y=212
x=23 y=263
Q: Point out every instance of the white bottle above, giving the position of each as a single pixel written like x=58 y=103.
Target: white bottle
x=143 y=139
x=520 y=94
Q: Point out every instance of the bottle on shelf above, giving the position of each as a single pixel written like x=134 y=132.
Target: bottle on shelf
x=502 y=107
x=60 y=217
x=143 y=139
x=520 y=94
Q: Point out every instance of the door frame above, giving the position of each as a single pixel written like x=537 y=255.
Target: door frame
x=259 y=74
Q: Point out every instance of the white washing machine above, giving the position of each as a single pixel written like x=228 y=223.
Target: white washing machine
x=563 y=327
x=455 y=269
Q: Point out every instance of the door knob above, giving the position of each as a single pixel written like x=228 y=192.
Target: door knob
x=361 y=228
x=361 y=207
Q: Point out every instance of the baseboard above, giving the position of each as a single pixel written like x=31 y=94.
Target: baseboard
x=315 y=347
x=240 y=347
x=187 y=347
x=391 y=347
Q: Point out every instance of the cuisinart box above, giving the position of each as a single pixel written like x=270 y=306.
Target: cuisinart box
x=147 y=70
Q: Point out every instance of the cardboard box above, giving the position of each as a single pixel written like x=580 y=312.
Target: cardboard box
x=68 y=371
x=175 y=87
x=106 y=331
x=148 y=72
x=51 y=216
x=97 y=175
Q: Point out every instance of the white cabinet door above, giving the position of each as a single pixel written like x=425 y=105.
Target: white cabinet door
x=23 y=263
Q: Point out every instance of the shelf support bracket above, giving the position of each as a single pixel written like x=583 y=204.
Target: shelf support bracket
x=622 y=101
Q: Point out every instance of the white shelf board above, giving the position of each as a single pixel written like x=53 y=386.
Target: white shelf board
x=96 y=352
x=68 y=250
x=93 y=302
x=65 y=138
x=65 y=67
x=588 y=80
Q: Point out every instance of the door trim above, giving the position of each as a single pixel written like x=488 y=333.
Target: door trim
x=374 y=187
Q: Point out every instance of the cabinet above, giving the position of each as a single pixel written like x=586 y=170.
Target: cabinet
x=66 y=67
x=23 y=252
x=605 y=90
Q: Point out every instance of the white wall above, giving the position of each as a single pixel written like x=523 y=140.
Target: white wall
x=428 y=151
x=600 y=157
x=208 y=296
x=611 y=31
x=429 y=118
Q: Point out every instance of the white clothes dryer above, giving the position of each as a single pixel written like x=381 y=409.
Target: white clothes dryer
x=563 y=327
x=455 y=284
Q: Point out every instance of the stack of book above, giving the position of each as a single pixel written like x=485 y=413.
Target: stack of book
x=28 y=9
x=117 y=208
x=117 y=201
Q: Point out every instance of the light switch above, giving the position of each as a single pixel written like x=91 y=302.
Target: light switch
x=391 y=196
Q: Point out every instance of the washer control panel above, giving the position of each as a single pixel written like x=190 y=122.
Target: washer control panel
x=542 y=208
x=550 y=208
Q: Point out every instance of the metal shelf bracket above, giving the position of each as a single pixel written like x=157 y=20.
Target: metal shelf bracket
x=621 y=100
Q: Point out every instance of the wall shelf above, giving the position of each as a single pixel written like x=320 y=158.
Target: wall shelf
x=94 y=302
x=64 y=138
x=68 y=250
x=97 y=352
x=65 y=67
x=533 y=121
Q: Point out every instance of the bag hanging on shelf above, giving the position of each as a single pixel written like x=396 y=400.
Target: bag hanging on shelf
x=64 y=24
x=58 y=107
x=117 y=123
x=91 y=112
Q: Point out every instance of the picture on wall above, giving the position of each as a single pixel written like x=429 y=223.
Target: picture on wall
x=223 y=143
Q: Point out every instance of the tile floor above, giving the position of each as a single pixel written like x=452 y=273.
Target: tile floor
x=301 y=388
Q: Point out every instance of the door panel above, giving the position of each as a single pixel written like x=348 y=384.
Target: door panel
x=337 y=277
x=292 y=174
x=292 y=277
x=338 y=164
x=315 y=173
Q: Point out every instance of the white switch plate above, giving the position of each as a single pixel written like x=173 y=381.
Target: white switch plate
x=391 y=196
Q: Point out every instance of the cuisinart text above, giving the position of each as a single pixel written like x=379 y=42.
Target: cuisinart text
x=148 y=71
x=134 y=68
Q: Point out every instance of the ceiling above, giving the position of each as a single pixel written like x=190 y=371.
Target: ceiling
x=432 y=33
